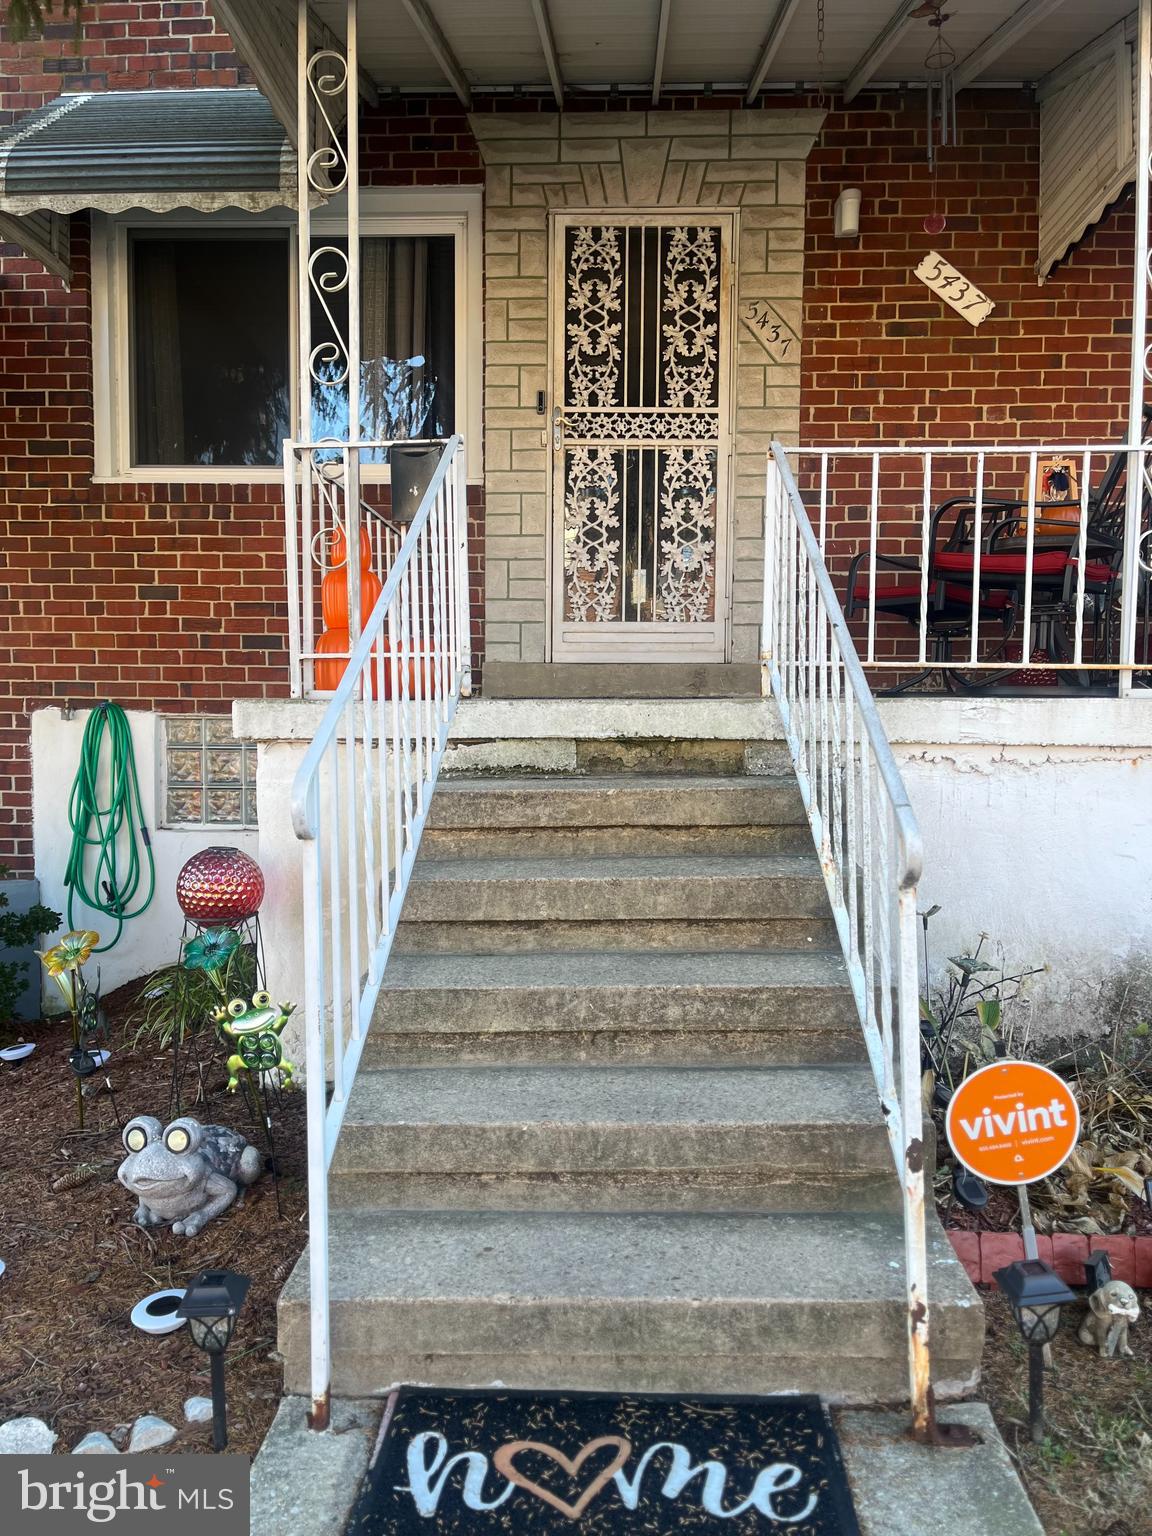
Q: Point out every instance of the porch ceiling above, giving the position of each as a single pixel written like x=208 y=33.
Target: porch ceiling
x=472 y=44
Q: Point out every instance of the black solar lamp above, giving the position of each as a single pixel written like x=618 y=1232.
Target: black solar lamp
x=212 y=1304
x=1036 y=1293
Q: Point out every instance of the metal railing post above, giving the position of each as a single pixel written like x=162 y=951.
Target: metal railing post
x=1138 y=371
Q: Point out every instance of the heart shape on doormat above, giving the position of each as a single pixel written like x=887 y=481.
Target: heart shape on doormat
x=505 y=1457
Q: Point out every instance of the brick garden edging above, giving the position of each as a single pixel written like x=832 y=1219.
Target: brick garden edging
x=982 y=1253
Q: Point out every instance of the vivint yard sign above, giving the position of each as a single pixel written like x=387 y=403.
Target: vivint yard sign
x=1013 y=1122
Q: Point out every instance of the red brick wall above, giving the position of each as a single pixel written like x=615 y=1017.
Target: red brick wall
x=130 y=46
x=886 y=360
x=884 y=357
x=114 y=591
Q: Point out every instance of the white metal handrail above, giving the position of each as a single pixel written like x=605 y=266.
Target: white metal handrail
x=868 y=842
x=360 y=802
x=1030 y=573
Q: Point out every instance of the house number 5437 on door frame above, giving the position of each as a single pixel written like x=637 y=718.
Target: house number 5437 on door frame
x=954 y=288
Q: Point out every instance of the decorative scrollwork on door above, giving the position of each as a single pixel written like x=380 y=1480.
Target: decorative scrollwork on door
x=594 y=295
x=641 y=434
x=592 y=536
x=686 y=591
x=691 y=317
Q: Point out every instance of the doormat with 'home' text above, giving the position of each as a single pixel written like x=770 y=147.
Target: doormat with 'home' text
x=502 y=1463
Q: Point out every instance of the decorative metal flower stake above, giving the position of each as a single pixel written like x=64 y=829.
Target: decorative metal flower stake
x=65 y=963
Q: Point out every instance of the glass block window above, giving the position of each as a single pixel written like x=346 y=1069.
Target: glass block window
x=209 y=777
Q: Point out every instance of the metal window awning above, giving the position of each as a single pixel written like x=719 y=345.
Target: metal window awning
x=158 y=150
x=152 y=150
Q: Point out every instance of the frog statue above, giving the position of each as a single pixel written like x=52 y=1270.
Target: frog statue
x=252 y=1030
x=185 y=1174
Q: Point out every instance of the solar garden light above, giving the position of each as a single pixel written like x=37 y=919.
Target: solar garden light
x=1097 y=1270
x=1036 y=1293
x=212 y=1304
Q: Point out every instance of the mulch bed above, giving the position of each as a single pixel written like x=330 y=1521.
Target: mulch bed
x=77 y=1263
x=1092 y=1475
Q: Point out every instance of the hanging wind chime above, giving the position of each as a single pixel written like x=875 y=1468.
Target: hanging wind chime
x=941 y=103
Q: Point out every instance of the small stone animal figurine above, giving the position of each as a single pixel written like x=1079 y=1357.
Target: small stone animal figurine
x=185 y=1174
x=1114 y=1308
x=253 y=1031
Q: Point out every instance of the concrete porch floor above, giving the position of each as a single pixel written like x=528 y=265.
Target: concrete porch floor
x=307 y=1483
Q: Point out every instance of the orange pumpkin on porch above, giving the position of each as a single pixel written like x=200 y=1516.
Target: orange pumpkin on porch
x=336 y=643
x=334 y=597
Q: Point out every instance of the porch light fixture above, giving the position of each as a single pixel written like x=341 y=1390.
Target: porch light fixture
x=848 y=214
x=1036 y=1293
x=212 y=1304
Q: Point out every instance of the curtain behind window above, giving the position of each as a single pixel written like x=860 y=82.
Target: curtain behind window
x=407 y=340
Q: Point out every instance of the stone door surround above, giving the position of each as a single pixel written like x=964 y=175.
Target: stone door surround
x=749 y=161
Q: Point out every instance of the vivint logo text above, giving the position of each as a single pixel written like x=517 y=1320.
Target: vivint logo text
x=1019 y=1121
x=102 y=1499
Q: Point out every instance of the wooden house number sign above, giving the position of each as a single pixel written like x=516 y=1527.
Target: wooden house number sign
x=954 y=288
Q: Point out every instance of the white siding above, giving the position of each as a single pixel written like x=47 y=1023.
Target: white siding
x=1087 y=148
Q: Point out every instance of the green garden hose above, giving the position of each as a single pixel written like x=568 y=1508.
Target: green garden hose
x=115 y=830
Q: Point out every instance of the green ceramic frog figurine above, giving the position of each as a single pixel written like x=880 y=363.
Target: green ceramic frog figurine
x=253 y=1031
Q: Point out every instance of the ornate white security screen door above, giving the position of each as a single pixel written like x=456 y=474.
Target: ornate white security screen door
x=640 y=435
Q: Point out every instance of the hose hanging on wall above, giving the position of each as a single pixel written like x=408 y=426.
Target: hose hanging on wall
x=110 y=828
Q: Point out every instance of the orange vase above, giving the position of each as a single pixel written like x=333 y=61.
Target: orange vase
x=334 y=606
x=334 y=597
x=335 y=643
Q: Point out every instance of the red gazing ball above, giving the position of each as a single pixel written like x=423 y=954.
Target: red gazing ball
x=220 y=886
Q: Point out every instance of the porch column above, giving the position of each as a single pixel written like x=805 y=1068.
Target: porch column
x=327 y=147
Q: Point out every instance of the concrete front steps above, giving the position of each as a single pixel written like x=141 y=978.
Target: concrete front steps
x=614 y=1126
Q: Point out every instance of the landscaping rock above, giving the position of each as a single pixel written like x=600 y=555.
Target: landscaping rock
x=95 y=1444
x=26 y=1437
x=149 y=1433
x=198 y=1410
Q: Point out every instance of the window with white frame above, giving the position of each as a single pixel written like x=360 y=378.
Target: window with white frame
x=208 y=777
x=209 y=362
x=197 y=339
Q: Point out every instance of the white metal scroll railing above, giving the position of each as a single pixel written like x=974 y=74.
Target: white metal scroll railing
x=359 y=805
x=868 y=843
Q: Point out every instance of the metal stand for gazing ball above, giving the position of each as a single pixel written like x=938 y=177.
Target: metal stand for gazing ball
x=192 y=1049
x=219 y=888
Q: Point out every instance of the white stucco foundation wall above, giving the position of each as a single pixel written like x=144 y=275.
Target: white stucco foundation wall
x=1036 y=815
x=1049 y=852
x=152 y=939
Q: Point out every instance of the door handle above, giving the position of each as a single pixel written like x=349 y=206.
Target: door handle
x=557 y=429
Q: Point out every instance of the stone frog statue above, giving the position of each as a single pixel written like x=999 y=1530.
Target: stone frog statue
x=1114 y=1307
x=187 y=1173
x=252 y=1033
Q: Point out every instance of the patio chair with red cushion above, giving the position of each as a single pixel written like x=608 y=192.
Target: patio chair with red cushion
x=1003 y=567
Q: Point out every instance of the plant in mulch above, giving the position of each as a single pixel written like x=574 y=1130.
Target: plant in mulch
x=978 y=1014
x=179 y=999
x=1100 y=1189
x=65 y=963
x=18 y=930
